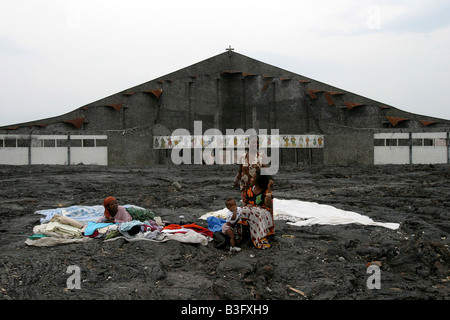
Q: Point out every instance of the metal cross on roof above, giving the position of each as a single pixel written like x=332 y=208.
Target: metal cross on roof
x=229 y=49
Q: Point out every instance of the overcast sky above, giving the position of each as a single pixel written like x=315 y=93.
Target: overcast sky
x=56 y=56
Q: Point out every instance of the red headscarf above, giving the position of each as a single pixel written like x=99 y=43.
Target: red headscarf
x=105 y=203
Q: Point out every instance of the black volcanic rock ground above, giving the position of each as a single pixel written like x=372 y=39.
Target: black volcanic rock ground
x=322 y=262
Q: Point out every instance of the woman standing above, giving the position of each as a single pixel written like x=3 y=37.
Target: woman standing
x=250 y=162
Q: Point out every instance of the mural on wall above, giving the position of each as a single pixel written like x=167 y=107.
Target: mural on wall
x=235 y=141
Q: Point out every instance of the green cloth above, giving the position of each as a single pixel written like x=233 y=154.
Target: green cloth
x=140 y=214
x=37 y=236
x=112 y=234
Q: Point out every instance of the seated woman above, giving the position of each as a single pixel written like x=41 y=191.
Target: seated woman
x=257 y=212
x=118 y=214
x=113 y=212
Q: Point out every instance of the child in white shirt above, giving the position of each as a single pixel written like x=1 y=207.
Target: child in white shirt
x=233 y=216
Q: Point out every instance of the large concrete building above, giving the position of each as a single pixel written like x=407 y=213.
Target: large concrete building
x=317 y=122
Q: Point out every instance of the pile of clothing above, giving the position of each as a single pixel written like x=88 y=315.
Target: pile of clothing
x=58 y=230
x=79 y=224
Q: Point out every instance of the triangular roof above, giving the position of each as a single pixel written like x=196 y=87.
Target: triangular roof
x=231 y=63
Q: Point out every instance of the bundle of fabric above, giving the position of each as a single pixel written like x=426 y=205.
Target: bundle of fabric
x=175 y=228
x=302 y=213
x=58 y=230
x=188 y=233
x=138 y=231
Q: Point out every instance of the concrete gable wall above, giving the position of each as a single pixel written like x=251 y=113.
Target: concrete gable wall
x=231 y=91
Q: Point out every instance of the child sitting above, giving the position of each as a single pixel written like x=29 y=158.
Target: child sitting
x=233 y=216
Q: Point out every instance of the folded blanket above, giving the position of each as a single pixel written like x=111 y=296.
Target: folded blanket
x=67 y=220
x=66 y=230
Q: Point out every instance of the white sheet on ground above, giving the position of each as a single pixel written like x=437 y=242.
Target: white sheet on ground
x=302 y=213
x=83 y=214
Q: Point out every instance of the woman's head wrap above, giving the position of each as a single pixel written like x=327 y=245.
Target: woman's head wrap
x=105 y=204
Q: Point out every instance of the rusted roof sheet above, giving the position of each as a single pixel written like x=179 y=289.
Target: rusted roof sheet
x=427 y=123
x=351 y=105
x=267 y=83
x=335 y=93
x=312 y=93
x=395 y=120
x=156 y=92
x=328 y=95
x=116 y=106
x=76 y=122
x=230 y=72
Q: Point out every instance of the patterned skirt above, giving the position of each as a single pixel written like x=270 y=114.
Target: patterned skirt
x=260 y=224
